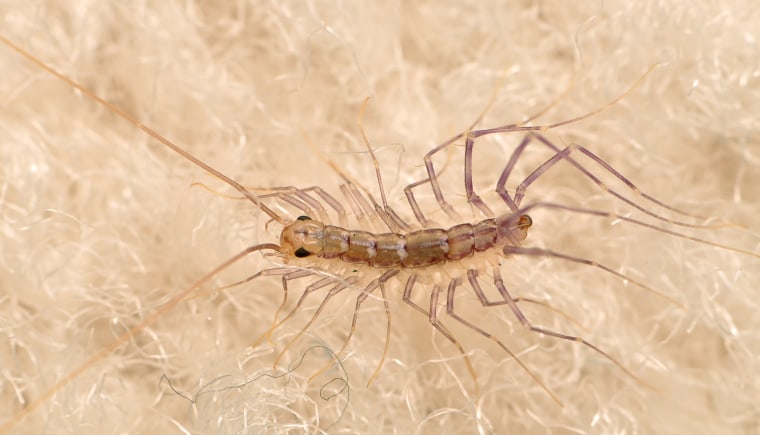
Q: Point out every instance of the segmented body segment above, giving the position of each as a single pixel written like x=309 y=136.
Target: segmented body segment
x=305 y=237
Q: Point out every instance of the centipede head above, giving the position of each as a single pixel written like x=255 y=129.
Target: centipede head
x=302 y=238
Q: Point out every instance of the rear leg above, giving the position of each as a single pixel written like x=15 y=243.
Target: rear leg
x=565 y=154
x=539 y=252
x=472 y=276
x=432 y=179
x=472 y=197
x=486 y=303
x=514 y=218
x=527 y=324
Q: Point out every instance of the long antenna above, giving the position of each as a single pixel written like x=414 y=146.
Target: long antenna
x=154 y=134
x=123 y=338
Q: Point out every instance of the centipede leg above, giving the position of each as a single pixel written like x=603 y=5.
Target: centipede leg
x=432 y=178
x=527 y=324
x=472 y=197
x=440 y=327
x=607 y=168
x=359 y=202
x=297 y=198
x=301 y=199
x=481 y=296
x=518 y=250
x=472 y=278
x=501 y=189
x=286 y=273
x=285 y=278
x=316 y=285
x=352 y=189
x=337 y=288
x=331 y=201
x=374 y=284
x=413 y=203
x=385 y=277
x=565 y=154
x=357 y=211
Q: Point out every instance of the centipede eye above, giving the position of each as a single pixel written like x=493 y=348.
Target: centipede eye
x=301 y=252
x=303 y=218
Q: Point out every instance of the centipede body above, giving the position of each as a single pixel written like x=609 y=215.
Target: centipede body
x=185 y=269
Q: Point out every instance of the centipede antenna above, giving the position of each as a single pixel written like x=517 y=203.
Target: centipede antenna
x=123 y=338
x=152 y=133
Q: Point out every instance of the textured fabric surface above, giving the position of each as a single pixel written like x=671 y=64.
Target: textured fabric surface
x=101 y=225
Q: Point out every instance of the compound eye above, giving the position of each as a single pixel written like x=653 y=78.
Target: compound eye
x=303 y=218
x=301 y=252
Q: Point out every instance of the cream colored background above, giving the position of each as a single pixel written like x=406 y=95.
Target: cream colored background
x=100 y=224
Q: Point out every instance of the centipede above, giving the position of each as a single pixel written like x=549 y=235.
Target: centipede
x=358 y=244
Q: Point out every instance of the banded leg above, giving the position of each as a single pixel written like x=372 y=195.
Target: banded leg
x=440 y=327
x=471 y=135
x=472 y=276
x=527 y=324
x=564 y=154
x=472 y=197
x=424 y=222
x=435 y=186
x=432 y=178
x=539 y=252
x=510 y=249
x=481 y=296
